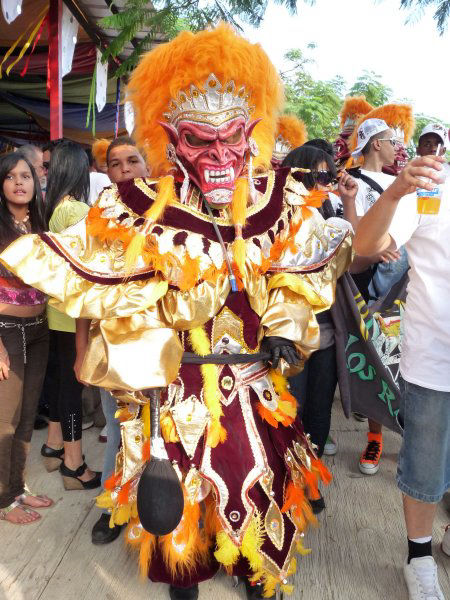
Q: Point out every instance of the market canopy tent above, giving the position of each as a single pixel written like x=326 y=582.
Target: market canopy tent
x=25 y=112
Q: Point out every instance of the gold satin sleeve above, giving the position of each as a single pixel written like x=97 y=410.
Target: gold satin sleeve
x=132 y=353
x=186 y=310
x=295 y=299
x=38 y=265
x=292 y=317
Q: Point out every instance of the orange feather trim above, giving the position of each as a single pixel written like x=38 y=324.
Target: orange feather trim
x=354 y=107
x=292 y=129
x=146 y=451
x=123 y=495
x=324 y=474
x=146 y=551
x=112 y=481
x=99 y=150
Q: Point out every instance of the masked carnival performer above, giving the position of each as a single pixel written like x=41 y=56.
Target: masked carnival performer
x=191 y=279
x=291 y=133
x=354 y=108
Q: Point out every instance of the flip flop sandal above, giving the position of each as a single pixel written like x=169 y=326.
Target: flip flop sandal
x=16 y=504
x=27 y=494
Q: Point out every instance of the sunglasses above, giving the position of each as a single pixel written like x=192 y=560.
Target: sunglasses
x=324 y=177
x=392 y=141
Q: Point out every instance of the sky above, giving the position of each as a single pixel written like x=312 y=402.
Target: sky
x=353 y=35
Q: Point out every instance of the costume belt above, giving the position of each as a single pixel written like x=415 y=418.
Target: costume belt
x=189 y=358
x=20 y=323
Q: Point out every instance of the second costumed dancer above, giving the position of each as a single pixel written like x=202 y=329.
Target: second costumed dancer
x=202 y=285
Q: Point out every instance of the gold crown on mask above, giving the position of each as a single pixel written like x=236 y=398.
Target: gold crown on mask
x=282 y=148
x=214 y=105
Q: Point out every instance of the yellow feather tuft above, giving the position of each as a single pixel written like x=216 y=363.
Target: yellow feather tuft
x=287 y=589
x=239 y=202
x=168 y=429
x=211 y=393
x=239 y=254
x=252 y=542
x=166 y=194
x=104 y=500
x=134 y=251
x=145 y=418
x=227 y=553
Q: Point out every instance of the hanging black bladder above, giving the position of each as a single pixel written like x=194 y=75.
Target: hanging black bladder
x=160 y=501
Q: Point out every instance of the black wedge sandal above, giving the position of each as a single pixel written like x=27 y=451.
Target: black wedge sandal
x=52 y=458
x=72 y=481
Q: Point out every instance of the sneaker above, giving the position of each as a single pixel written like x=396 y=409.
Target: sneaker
x=422 y=580
x=370 y=458
x=87 y=423
x=330 y=447
x=445 y=545
x=103 y=437
x=359 y=417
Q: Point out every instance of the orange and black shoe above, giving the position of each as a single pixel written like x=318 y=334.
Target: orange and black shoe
x=369 y=463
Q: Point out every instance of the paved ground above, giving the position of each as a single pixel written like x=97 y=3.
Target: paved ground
x=357 y=550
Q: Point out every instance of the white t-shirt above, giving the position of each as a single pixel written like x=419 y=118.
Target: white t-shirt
x=425 y=357
x=99 y=181
x=367 y=196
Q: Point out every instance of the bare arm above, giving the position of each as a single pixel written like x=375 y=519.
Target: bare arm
x=372 y=235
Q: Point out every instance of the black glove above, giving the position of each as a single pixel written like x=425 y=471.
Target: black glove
x=280 y=347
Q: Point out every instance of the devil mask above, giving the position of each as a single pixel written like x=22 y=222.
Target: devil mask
x=210 y=137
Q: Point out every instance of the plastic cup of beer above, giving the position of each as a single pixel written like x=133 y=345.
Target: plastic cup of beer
x=429 y=202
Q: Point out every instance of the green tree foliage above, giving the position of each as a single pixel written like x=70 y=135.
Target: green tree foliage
x=370 y=85
x=417 y=8
x=317 y=103
x=164 y=19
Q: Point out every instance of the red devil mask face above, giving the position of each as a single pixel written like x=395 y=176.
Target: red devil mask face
x=214 y=157
x=401 y=158
x=341 y=150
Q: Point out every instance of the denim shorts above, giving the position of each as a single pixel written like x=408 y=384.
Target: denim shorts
x=424 y=462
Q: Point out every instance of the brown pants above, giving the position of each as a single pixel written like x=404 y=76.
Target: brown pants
x=27 y=344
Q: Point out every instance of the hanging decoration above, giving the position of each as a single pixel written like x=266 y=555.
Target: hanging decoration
x=129 y=117
x=116 y=123
x=101 y=82
x=11 y=9
x=32 y=31
x=91 y=103
x=69 y=32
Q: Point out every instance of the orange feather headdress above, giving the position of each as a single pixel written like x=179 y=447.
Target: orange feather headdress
x=397 y=116
x=180 y=68
x=99 y=149
x=353 y=109
x=188 y=60
x=291 y=133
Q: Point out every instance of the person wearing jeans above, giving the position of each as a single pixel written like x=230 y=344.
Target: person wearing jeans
x=423 y=474
x=101 y=532
x=23 y=342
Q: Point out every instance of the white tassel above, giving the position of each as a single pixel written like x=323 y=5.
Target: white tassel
x=185 y=184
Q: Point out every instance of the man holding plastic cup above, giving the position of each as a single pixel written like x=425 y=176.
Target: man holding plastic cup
x=423 y=473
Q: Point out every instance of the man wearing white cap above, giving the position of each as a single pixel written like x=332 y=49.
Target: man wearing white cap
x=433 y=135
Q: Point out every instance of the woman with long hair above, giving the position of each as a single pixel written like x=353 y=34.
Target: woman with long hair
x=65 y=205
x=23 y=342
x=314 y=387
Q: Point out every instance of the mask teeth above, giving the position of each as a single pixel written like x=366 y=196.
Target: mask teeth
x=219 y=175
